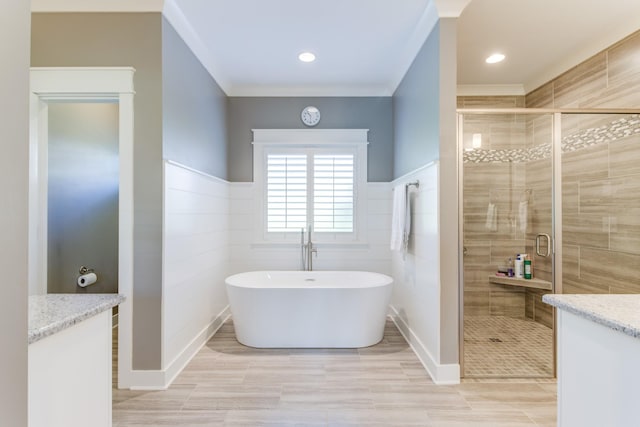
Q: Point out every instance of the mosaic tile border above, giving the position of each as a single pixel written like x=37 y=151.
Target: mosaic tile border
x=617 y=129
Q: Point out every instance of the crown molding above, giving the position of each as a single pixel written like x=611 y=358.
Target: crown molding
x=179 y=22
x=309 y=91
x=427 y=22
x=450 y=8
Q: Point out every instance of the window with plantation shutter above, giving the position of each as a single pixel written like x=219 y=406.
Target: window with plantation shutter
x=310 y=178
x=333 y=180
x=328 y=184
x=286 y=192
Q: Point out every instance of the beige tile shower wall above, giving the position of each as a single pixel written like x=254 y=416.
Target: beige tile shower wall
x=610 y=79
x=601 y=214
x=601 y=183
x=491 y=101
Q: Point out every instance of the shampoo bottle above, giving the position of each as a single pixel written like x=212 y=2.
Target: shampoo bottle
x=527 y=269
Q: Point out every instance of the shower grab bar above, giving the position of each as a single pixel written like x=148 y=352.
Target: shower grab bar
x=548 y=249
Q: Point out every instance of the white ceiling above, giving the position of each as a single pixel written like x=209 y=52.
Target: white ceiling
x=364 y=47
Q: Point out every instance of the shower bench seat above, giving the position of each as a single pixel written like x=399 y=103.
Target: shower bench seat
x=525 y=283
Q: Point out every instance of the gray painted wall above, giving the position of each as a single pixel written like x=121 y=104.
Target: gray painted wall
x=124 y=39
x=194 y=109
x=373 y=113
x=83 y=193
x=14 y=178
x=416 y=108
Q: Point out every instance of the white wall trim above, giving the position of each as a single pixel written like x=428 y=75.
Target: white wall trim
x=491 y=90
x=310 y=136
x=96 y=6
x=81 y=81
x=441 y=374
x=409 y=175
x=162 y=379
x=85 y=83
x=196 y=171
x=173 y=369
x=147 y=380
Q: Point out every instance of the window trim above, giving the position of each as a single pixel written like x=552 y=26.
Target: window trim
x=271 y=141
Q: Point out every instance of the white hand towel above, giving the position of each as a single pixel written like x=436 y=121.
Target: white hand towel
x=398 y=218
x=492 y=217
x=523 y=213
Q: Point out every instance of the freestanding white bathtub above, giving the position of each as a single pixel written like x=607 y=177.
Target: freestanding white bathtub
x=309 y=309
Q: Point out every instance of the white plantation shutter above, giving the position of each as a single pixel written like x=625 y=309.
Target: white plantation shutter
x=333 y=193
x=286 y=192
x=310 y=177
x=329 y=188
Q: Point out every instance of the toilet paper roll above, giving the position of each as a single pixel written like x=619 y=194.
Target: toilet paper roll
x=87 y=279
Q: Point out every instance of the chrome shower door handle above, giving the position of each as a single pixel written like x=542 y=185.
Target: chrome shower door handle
x=548 y=249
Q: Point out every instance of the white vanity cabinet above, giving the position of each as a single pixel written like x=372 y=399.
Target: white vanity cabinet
x=598 y=359
x=70 y=360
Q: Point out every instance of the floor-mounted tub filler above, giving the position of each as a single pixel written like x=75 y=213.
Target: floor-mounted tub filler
x=309 y=309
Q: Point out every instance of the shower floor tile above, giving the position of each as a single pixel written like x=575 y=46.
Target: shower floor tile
x=505 y=347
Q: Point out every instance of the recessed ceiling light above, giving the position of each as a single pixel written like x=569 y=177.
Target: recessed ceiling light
x=495 y=58
x=307 y=57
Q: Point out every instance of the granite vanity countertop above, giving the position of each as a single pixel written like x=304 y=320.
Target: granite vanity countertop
x=52 y=313
x=616 y=311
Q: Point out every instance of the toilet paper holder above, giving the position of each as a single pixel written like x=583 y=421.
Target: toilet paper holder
x=85 y=270
x=87 y=277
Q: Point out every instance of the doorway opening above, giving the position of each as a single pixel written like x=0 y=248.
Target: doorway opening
x=55 y=93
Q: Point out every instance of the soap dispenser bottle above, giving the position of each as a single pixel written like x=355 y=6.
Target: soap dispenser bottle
x=519 y=267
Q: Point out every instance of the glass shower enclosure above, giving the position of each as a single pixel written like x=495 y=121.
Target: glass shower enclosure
x=552 y=186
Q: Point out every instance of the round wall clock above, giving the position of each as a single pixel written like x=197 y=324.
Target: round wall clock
x=310 y=116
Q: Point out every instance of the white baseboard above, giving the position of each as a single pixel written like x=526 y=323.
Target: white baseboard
x=441 y=374
x=147 y=380
x=162 y=379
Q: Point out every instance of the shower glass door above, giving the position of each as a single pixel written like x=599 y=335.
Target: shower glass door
x=507 y=202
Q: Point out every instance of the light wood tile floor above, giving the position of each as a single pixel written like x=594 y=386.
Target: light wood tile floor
x=228 y=384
